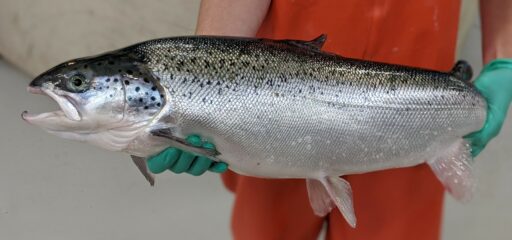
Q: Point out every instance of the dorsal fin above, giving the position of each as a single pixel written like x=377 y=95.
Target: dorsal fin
x=462 y=71
x=314 y=44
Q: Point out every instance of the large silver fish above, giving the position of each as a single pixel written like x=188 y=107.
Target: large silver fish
x=273 y=109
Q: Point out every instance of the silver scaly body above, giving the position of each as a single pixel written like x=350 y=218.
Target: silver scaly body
x=273 y=108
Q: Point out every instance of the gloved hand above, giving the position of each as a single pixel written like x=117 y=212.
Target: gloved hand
x=179 y=161
x=495 y=84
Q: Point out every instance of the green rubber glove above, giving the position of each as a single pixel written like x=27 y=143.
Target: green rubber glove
x=179 y=161
x=495 y=85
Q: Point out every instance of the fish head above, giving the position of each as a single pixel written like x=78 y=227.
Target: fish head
x=104 y=100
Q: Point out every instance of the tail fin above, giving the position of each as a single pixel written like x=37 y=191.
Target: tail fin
x=462 y=71
x=453 y=169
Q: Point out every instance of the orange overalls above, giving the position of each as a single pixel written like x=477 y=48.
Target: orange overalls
x=393 y=204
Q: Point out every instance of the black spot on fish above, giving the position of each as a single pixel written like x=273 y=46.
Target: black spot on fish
x=161 y=95
x=116 y=80
x=218 y=83
x=111 y=95
x=141 y=100
x=146 y=107
x=108 y=87
x=137 y=89
x=153 y=88
x=126 y=82
x=101 y=88
x=201 y=85
x=129 y=98
x=153 y=98
x=146 y=93
x=208 y=82
x=204 y=99
x=129 y=71
x=146 y=80
x=107 y=80
x=158 y=104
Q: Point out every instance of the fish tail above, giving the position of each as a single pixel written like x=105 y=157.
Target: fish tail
x=453 y=168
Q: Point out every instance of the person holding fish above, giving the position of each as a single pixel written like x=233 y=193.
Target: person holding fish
x=402 y=203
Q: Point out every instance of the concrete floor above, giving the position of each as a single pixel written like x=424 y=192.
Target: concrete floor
x=51 y=188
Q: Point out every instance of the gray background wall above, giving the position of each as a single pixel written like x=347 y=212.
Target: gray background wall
x=56 y=189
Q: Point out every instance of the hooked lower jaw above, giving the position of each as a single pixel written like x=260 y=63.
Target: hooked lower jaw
x=67 y=109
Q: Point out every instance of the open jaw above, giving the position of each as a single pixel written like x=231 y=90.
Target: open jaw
x=68 y=112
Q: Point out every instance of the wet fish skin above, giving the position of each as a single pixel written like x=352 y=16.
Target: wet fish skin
x=279 y=109
x=265 y=96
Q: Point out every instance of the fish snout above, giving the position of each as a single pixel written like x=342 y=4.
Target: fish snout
x=38 y=81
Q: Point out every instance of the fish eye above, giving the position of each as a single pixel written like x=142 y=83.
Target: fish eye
x=77 y=83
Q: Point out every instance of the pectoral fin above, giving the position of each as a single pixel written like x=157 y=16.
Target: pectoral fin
x=328 y=192
x=454 y=170
x=184 y=145
x=143 y=168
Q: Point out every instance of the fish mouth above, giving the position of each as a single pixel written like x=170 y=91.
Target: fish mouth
x=67 y=109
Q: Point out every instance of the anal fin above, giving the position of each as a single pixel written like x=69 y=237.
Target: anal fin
x=453 y=169
x=143 y=168
x=328 y=192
